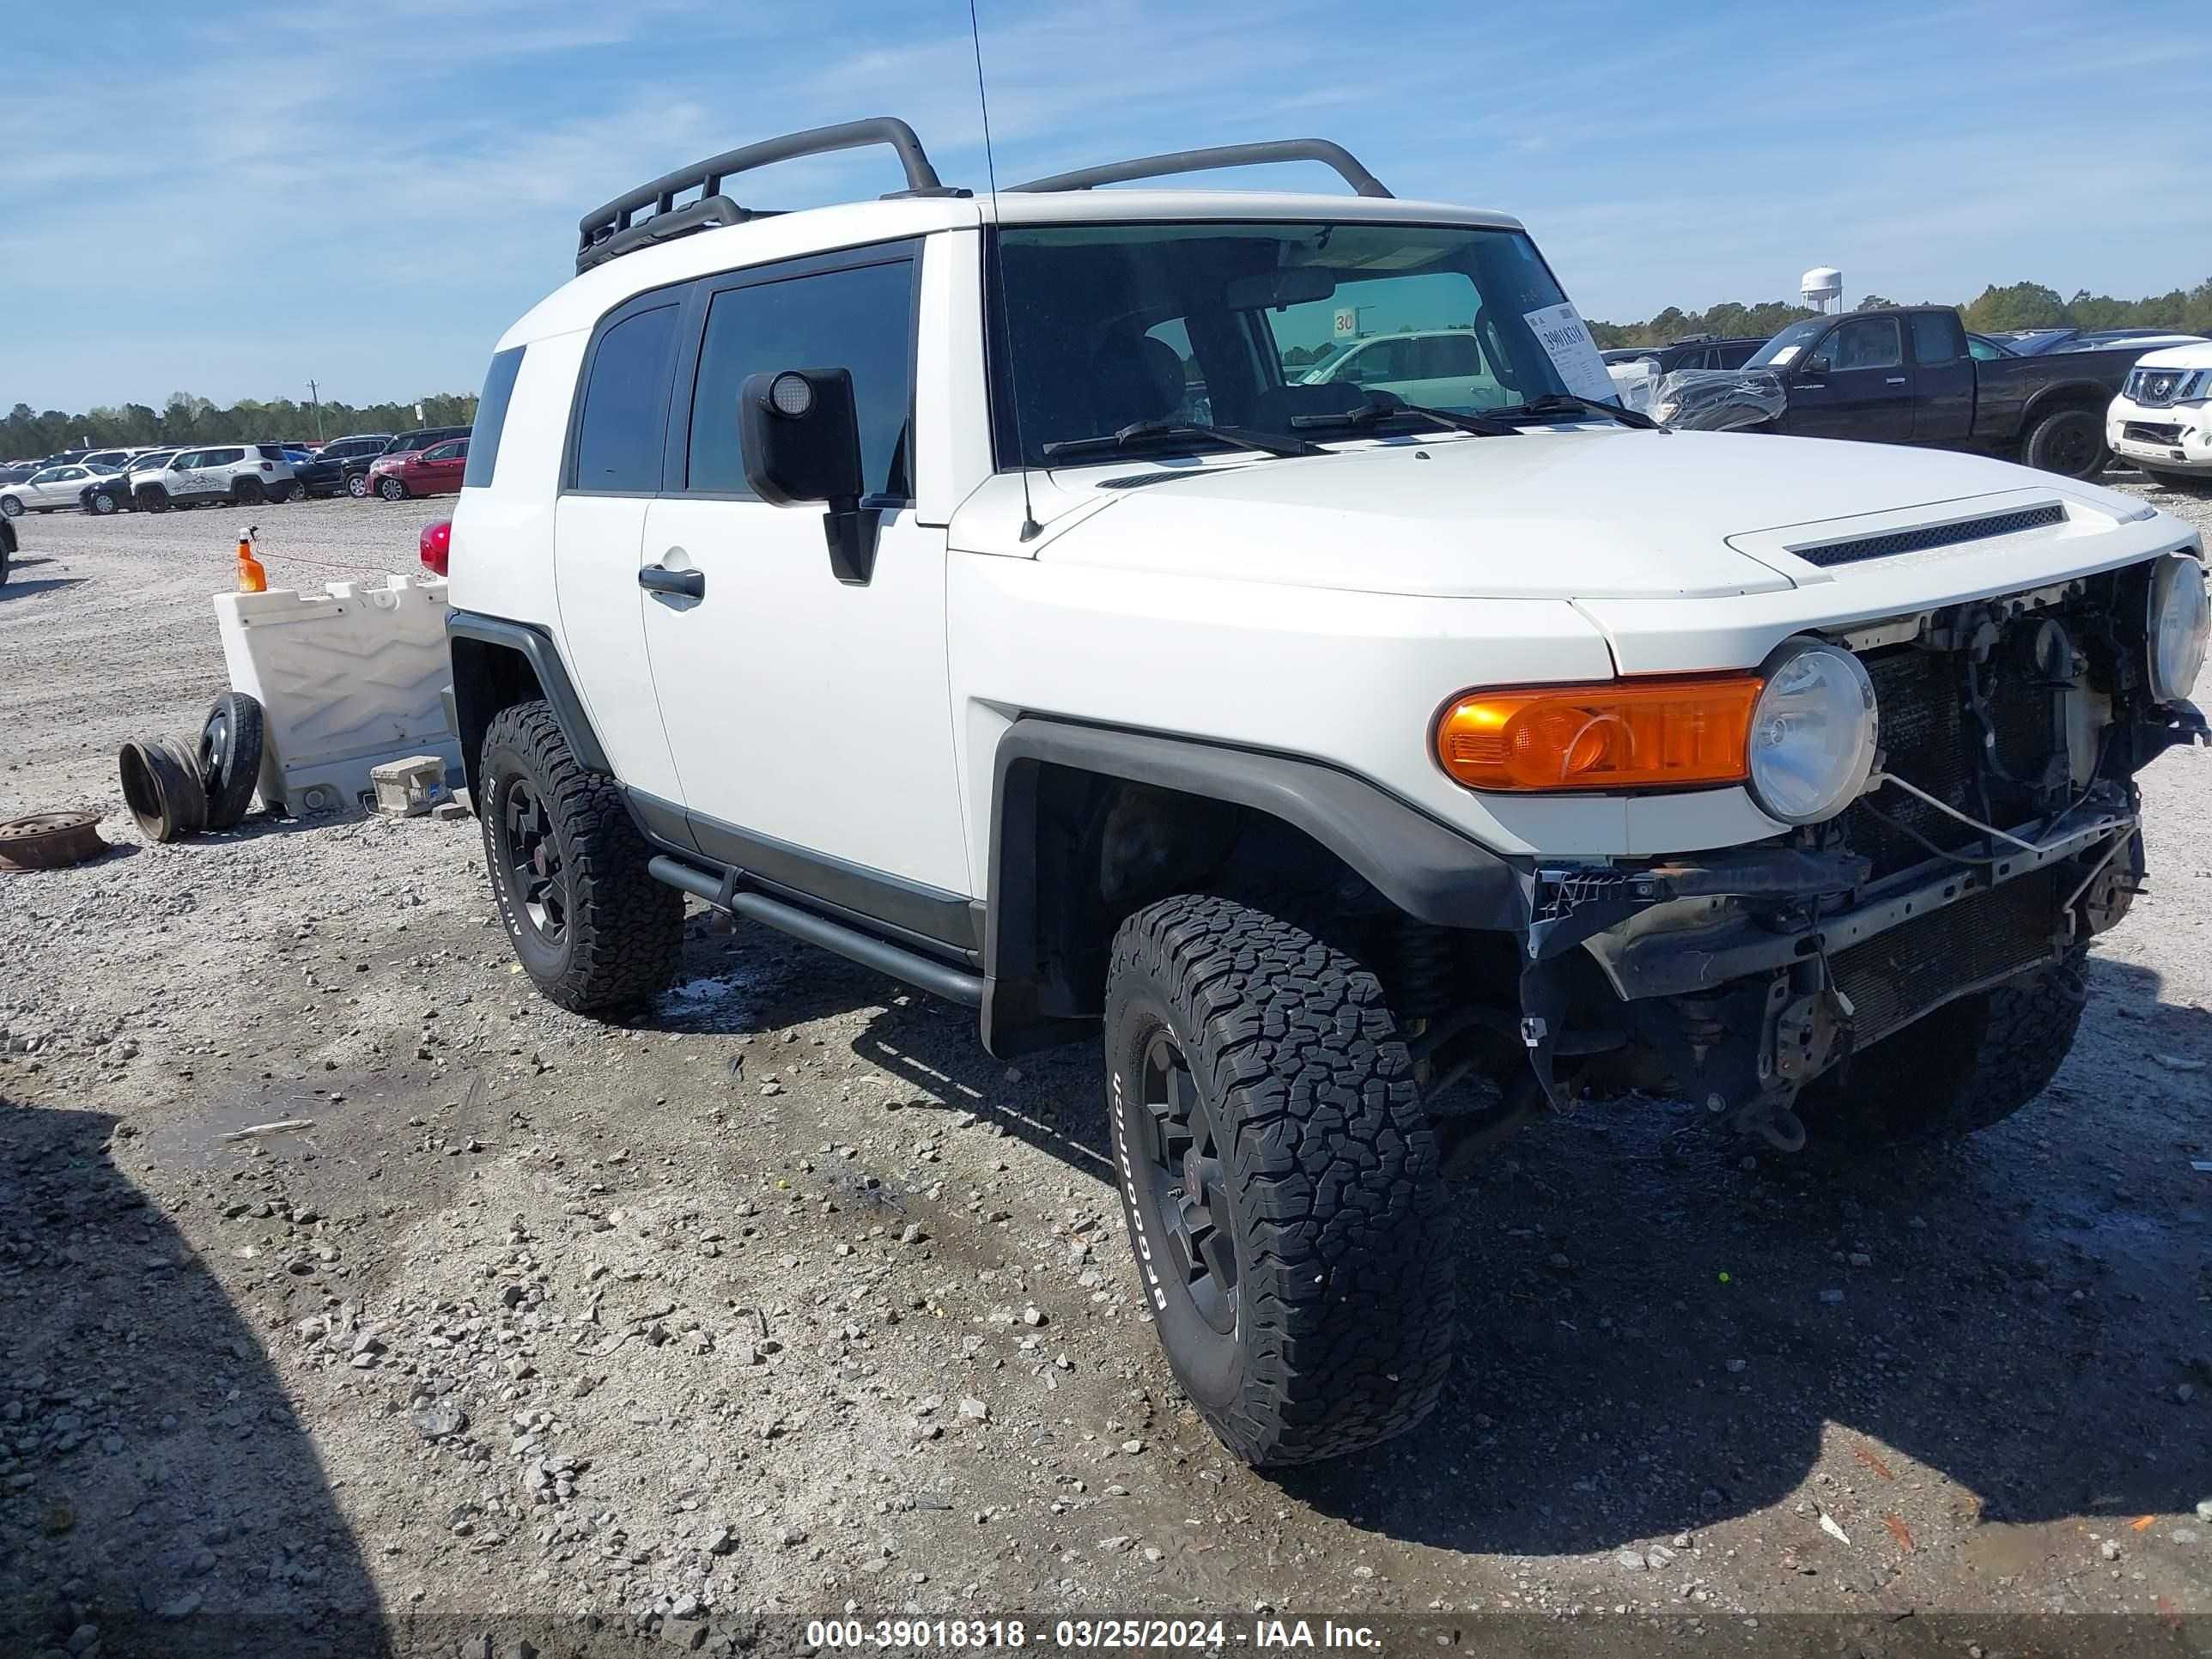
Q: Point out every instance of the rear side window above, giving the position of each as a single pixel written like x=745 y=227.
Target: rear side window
x=860 y=319
x=223 y=457
x=491 y=417
x=1933 y=338
x=625 y=414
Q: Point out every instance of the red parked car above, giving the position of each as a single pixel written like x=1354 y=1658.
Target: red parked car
x=433 y=472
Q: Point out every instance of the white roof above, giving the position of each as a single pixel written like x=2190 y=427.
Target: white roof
x=586 y=298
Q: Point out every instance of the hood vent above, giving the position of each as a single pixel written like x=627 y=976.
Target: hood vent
x=1895 y=542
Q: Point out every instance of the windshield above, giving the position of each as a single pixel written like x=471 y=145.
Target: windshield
x=1252 y=326
x=1785 y=347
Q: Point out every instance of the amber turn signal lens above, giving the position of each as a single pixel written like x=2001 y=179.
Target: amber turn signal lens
x=1624 y=734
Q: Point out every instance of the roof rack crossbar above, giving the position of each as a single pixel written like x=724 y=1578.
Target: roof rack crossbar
x=608 y=231
x=1225 y=156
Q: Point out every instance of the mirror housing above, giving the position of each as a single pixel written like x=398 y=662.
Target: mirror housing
x=799 y=433
x=1272 y=290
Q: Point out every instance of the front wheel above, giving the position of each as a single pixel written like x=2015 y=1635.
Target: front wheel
x=11 y=507
x=392 y=490
x=1970 y=1064
x=1279 y=1180
x=101 y=504
x=593 y=930
x=2068 y=442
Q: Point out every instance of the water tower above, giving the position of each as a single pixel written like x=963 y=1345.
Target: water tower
x=1820 y=285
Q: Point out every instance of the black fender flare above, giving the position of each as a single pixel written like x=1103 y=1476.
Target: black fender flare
x=477 y=693
x=2067 y=394
x=1428 y=870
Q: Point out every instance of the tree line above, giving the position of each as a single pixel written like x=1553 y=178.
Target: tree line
x=2018 y=305
x=186 y=419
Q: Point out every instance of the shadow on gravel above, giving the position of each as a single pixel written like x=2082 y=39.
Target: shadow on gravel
x=158 y=1495
x=12 y=589
x=2015 y=1314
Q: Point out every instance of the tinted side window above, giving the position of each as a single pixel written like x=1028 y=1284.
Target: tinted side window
x=223 y=457
x=491 y=415
x=860 y=319
x=1866 y=343
x=1933 y=338
x=625 y=414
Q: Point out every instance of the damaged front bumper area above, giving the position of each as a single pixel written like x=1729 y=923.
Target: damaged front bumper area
x=1735 y=980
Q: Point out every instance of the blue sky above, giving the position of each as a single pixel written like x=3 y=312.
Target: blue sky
x=368 y=195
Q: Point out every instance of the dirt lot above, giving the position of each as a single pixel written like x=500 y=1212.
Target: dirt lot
x=785 y=1301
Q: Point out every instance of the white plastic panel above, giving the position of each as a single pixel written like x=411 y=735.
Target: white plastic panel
x=347 y=678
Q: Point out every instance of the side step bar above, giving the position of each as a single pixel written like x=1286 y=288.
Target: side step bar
x=937 y=978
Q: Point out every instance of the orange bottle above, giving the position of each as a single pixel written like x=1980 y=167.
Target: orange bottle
x=252 y=578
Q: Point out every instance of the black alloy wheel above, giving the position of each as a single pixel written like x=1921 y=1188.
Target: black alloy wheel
x=1188 y=1186
x=534 y=859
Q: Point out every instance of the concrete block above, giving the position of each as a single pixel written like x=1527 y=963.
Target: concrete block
x=407 y=788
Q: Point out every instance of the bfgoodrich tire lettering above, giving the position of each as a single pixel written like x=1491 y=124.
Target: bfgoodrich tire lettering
x=1343 y=1280
x=594 y=931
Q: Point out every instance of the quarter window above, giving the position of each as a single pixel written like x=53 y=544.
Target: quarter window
x=491 y=417
x=860 y=319
x=618 y=439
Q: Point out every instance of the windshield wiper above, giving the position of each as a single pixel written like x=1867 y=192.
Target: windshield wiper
x=1138 y=432
x=1368 y=414
x=1566 y=403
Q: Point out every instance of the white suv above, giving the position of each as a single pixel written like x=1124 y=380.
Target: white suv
x=2162 y=419
x=1367 y=778
x=241 y=473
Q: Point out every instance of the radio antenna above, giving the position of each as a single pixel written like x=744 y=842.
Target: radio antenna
x=1030 y=528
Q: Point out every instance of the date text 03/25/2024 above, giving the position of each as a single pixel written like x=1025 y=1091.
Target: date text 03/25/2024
x=1202 y=1635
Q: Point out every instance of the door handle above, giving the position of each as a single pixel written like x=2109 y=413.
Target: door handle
x=690 y=584
x=1895 y=379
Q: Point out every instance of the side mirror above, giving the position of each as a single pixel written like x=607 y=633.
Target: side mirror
x=799 y=431
x=1820 y=364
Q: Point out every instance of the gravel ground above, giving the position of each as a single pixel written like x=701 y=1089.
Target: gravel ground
x=785 y=1301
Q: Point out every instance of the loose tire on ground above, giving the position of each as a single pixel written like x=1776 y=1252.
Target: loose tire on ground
x=229 y=758
x=1970 y=1064
x=2068 y=442
x=1258 y=1089
x=594 y=931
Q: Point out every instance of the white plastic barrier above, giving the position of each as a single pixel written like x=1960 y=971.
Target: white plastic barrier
x=348 y=678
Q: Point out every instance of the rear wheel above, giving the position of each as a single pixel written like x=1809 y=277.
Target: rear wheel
x=2068 y=442
x=1279 y=1179
x=593 y=930
x=1970 y=1064
x=356 y=485
x=248 y=492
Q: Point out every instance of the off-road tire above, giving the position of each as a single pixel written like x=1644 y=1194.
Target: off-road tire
x=623 y=931
x=2069 y=441
x=1968 y=1065
x=1343 y=1320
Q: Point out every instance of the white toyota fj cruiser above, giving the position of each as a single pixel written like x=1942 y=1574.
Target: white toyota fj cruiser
x=1373 y=775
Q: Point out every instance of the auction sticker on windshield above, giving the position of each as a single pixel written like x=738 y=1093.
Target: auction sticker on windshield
x=1566 y=337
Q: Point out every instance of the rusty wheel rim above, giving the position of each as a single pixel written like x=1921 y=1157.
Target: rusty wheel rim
x=48 y=840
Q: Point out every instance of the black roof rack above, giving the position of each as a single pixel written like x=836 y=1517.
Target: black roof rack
x=610 y=231
x=1226 y=156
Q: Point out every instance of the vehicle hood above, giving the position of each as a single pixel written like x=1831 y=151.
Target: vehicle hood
x=2179 y=356
x=1560 y=513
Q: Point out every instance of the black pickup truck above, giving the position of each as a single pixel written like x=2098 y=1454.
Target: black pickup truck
x=1910 y=375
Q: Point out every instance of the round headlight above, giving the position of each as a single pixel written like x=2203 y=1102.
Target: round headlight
x=2179 y=614
x=1813 y=732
